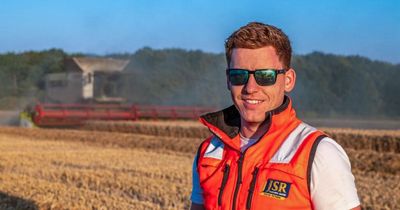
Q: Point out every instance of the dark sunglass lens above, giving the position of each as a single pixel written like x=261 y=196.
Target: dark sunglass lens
x=265 y=77
x=238 y=77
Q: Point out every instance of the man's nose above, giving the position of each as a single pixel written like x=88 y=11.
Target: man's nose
x=251 y=86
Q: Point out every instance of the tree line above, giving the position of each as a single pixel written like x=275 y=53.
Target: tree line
x=327 y=85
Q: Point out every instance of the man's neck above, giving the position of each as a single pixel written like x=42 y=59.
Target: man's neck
x=253 y=130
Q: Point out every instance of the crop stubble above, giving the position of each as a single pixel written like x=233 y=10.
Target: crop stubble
x=66 y=174
x=92 y=169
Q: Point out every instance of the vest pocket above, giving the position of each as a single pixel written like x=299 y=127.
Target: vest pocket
x=278 y=186
x=209 y=167
x=223 y=183
x=251 y=189
x=211 y=174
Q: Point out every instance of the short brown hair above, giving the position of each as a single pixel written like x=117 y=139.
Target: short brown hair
x=256 y=35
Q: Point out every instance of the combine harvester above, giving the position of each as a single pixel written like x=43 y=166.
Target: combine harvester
x=89 y=90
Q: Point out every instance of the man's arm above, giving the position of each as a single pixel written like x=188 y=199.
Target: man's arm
x=196 y=196
x=332 y=183
x=196 y=206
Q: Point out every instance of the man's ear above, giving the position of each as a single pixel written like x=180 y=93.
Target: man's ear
x=290 y=80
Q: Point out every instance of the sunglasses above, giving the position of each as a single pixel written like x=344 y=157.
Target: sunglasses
x=263 y=77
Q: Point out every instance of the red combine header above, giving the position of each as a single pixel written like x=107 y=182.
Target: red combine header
x=55 y=115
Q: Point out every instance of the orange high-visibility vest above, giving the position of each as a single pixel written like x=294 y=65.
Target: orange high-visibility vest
x=274 y=173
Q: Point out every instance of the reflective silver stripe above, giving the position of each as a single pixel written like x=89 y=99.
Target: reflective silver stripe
x=289 y=147
x=215 y=149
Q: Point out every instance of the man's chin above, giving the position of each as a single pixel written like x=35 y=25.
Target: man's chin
x=253 y=120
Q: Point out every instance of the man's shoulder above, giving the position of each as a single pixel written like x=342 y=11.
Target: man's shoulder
x=326 y=147
x=211 y=140
x=329 y=144
x=304 y=129
x=331 y=155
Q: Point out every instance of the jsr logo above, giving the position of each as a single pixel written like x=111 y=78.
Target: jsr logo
x=276 y=189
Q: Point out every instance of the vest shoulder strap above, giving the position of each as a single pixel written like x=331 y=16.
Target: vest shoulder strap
x=311 y=158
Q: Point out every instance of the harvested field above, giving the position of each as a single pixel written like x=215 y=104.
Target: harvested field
x=92 y=169
x=50 y=172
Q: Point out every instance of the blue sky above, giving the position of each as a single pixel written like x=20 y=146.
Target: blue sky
x=367 y=28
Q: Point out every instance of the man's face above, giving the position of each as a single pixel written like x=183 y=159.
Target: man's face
x=251 y=99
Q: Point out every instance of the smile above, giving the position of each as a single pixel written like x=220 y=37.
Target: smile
x=252 y=101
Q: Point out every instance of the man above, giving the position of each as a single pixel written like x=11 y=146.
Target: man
x=260 y=155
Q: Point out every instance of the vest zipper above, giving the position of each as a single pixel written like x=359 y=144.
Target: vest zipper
x=251 y=190
x=239 y=179
x=223 y=183
x=240 y=164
